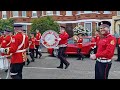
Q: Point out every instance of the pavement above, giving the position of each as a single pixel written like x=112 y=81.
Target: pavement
x=45 y=68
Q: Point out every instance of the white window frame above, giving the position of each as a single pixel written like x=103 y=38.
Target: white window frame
x=49 y=13
x=4 y=13
x=87 y=12
x=58 y=13
x=33 y=13
x=78 y=13
x=118 y=14
x=91 y=26
x=13 y=13
x=69 y=14
x=25 y=27
x=107 y=12
x=23 y=14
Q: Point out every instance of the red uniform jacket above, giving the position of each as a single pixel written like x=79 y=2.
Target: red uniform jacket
x=32 y=43
x=80 y=42
x=17 y=57
x=1 y=39
x=97 y=39
x=106 y=47
x=119 y=41
x=6 y=42
x=64 y=37
x=37 y=38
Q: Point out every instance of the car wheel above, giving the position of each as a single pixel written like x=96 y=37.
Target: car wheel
x=55 y=53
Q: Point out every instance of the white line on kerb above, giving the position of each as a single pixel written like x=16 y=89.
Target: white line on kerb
x=40 y=68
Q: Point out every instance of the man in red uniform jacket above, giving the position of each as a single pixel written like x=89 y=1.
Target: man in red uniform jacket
x=37 y=43
x=27 y=45
x=79 y=43
x=32 y=46
x=105 y=51
x=1 y=36
x=63 y=37
x=17 y=48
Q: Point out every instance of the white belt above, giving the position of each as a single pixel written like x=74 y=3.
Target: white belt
x=13 y=73
x=104 y=61
x=63 y=45
x=20 y=50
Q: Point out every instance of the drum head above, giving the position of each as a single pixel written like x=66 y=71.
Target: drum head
x=4 y=68
x=50 y=39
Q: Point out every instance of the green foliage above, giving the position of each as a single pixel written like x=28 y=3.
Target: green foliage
x=43 y=24
x=80 y=30
x=6 y=24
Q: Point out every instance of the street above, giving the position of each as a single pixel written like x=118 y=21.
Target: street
x=45 y=68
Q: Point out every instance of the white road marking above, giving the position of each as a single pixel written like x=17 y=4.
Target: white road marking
x=41 y=68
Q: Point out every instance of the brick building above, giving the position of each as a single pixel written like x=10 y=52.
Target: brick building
x=89 y=19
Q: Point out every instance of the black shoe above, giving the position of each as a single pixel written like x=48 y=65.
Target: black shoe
x=40 y=56
x=28 y=62
x=6 y=70
x=32 y=60
x=67 y=66
x=60 y=67
x=78 y=59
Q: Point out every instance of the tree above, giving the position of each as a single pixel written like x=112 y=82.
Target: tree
x=80 y=29
x=43 y=24
x=6 y=24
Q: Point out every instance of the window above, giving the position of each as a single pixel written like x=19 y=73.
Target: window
x=58 y=13
x=106 y=12
x=24 y=27
x=68 y=13
x=118 y=13
x=4 y=15
x=49 y=12
x=42 y=13
x=119 y=28
x=88 y=12
x=15 y=13
x=23 y=13
x=34 y=13
x=78 y=12
x=88 y=26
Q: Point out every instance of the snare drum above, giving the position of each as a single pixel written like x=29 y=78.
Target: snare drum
x=4 y=63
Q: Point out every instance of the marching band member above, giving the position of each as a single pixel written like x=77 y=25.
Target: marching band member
x=6 y=42
x=37 y=43
x=105 y=51
x=1 y=36
x=63 y=37
x=27 y=45
x=17 y=48
x=32 y=46
x=79 y=43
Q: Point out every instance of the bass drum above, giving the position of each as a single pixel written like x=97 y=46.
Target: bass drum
x=50 y=38
x=4 y=68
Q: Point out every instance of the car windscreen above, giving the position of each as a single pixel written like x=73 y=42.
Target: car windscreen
x=86 y=40
x=70 y=41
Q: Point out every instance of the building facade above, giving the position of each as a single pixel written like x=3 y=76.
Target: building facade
x=89 y=19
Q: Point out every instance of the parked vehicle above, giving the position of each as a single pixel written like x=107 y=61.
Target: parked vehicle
x=71 y=49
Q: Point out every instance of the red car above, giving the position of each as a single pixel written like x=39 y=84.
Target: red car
x=71 y=49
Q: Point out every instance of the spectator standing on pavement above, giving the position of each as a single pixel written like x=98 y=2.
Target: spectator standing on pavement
x=37 y=43
x=63 y=37
x=105 y=51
